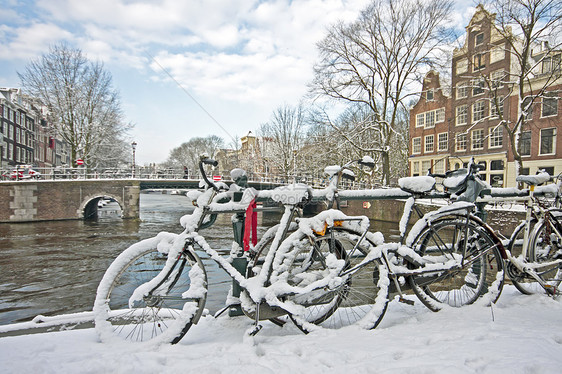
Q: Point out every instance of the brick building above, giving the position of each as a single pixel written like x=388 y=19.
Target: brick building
x=447 y=129
x=25 y=136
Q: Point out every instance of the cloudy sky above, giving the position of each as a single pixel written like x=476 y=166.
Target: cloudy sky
x=236 y=61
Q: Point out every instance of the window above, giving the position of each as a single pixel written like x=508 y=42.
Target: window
x=525 y=143
x=420 y=120
x=496 y=165
x=496 y=180
x=462 y=90
x=10 y=151
x=440 y=115
x=494 y=104
x=462 y=66
x=479 y=40
x=416 y=145
x=548 y=141
x=426 y=165
x=429 y=141
x=462 y=115
x=461 y=142
x=430 y=119
x=549 y=105
x=477 y=86
x=439 y=166
x=415 y=169
x=443 y=141
x=497 y=78
x=479 y=61
x=497 y=54
x=477 y=139
x=478 y=109
x=551 y=63
x=429 y=95
x=496 y=137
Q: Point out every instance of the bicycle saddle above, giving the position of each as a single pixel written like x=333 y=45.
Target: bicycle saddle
x=421 y=184
x=533 y=180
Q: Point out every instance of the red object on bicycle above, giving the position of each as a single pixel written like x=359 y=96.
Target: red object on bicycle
x=250 y=226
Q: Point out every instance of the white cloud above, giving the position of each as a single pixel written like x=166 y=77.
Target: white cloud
x=29 y=42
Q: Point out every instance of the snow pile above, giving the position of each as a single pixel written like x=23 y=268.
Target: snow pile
x=517 y=336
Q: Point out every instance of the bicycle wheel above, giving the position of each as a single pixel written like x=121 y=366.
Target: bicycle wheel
x=362 y=296
x=520 y=281
x=544 y=247
x=478 y=272
x=162 y=311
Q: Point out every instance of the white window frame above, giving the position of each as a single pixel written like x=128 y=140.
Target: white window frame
x=420 y=120
x=478 y=111
x=497 y=53
x=459 y=116
x=476 y=39
x=478 y=84
x=443 y=141
x=477 y=141
x=461 y=66
x=493 y=112
x=429 y=144
x=416 y=145
x=430 y=119
x=462 y=90
x=553 y=150
x=495 y=139
x=461 y=142
x=430 y=95
x=555 y=98
x=440 y=115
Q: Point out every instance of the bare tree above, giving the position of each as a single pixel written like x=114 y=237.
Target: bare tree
x=374 y=60
x=532 y=31
x=284 y=135
x=187 y=154
x=82 y=105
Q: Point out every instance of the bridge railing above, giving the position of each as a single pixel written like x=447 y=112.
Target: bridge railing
x=69 y=173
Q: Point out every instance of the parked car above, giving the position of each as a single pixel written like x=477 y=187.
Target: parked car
x=21 y=172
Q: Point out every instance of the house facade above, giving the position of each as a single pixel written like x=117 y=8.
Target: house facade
x=25 y=135
x=480 y=97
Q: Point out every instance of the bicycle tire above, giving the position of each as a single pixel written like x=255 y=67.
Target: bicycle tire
x=167 y=313
x=543 y=248
x=481 y=271
x=515 y=247
x=360 y=299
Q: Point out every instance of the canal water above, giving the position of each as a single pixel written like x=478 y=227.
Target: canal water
x=53 y=268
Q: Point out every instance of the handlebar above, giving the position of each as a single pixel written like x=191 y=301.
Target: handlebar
x=207 y=161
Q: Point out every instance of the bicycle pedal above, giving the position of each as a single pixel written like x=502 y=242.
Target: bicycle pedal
x=255 y=330
x=406 y=301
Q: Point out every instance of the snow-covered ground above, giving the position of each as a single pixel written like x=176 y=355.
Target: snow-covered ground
x=521 y=334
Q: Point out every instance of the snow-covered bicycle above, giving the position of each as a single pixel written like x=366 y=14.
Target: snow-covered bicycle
x=330 y=272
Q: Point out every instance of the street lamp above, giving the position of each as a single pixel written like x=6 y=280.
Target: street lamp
x=134 y=145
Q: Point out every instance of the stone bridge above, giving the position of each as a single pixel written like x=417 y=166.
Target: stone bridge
x=28 y=201
x=48 y=200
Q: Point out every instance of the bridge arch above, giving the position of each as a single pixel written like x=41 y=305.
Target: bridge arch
x=90 y=205
x=29 y=201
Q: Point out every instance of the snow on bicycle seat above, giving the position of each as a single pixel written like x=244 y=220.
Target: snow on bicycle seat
x=292 y=194
x=533 y=180
x=420 y=184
